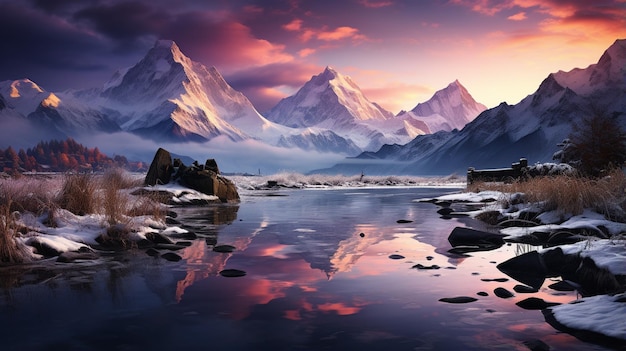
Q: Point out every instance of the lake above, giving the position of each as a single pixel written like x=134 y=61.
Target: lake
x=325 y=270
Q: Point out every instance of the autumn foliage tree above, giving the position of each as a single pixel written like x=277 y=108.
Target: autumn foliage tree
x=60 y=156
x=596 y=145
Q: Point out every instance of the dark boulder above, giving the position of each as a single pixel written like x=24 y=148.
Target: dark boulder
x=210 y=183
x=211 y=165
x=527 y=268
x=203 y=178
x=535 y=303
x=458 y=299
x=161 y=169
x=467 y=237
x=502 y=293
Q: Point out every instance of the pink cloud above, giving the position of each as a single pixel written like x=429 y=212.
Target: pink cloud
x=518 y=16
x=306 y=52
x=375 y=4
x=338 y=34
x=295 y=25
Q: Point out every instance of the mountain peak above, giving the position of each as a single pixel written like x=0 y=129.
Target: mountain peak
x=24 y=86
x=453 y=106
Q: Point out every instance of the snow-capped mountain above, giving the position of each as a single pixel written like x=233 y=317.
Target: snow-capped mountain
x=333 y=101
x=503 y=134
x=167 y=93
x=61 y=113
x=449 y=108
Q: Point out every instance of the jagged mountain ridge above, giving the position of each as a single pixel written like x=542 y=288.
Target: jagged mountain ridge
x=168 y=97
x=333 y=101
x=505 y=133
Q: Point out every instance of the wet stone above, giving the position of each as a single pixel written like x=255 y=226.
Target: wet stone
x=482 y=293
x=524 y=289
x=232 y=273
x=499 y=280
x=224 y=248
x=421 y=266
x=502 y=293
x=152 y=252
x=401 y=221
x=170 y=256
x=535 y=303
x=458 y=299
x=562 y=286
x=396 y=257
x=536 y=345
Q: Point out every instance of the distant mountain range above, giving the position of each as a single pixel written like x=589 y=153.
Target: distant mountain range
x=503 y=134
x=167 y=97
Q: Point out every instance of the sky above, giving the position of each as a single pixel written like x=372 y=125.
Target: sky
x=399 y=52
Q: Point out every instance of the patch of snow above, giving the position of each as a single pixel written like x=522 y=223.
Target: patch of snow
x=606 y=253
x=56 y=242
x=482 y=196
x=603 y=314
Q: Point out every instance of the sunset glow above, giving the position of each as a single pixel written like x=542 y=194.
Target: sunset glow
x=398 y=51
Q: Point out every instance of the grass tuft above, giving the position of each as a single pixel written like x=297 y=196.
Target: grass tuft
x=78 y=194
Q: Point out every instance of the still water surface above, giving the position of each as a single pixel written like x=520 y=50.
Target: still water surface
x=313 y=283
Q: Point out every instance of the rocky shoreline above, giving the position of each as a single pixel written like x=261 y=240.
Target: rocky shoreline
x=579 y=256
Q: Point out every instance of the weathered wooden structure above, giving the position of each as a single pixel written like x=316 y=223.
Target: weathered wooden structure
x=518 y=170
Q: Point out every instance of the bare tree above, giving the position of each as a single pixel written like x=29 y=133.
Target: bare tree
x=596 y=144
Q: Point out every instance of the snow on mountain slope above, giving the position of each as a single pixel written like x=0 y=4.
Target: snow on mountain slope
x=333 y=101
x=449 y=108
x=167 y=95
x=503 y=134
x=60 y=112
x=22 y=95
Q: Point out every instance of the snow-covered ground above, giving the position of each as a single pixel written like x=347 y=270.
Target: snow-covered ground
x=72 y=232
x=603 y=314
x=315 y=181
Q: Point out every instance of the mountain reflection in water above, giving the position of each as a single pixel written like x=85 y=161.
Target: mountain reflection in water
x=313 y=282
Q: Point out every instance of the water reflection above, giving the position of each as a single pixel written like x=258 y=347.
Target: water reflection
x=313 y=282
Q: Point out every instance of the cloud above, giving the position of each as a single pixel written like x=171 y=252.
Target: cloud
x=398 y=96
x=375 y=4
x=199 y=34
x=339 y=34
x=520 y=16
x=260 y=83
x=323 y=34
x=306 y=52
x=125 y=20
x=294 y=26
x=565 y=21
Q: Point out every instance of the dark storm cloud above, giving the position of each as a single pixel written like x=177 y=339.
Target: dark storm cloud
x=39 y=47
x=125 y=20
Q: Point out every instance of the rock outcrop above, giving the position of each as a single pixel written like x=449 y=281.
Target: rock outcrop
x=203 y=178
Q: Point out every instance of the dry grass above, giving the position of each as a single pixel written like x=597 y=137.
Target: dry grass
x=568 y=193
x=113 y=201
x=78 y=194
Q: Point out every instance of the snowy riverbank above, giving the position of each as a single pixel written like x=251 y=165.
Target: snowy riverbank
x=598 y=238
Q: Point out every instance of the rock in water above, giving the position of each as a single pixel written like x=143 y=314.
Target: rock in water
x=232 y=273
x=458 y=299
x=203 y=178
x=502 y=293
x=161 y=169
